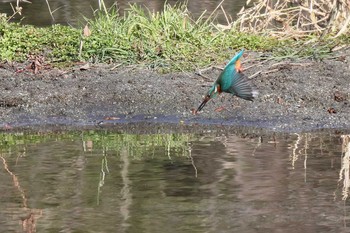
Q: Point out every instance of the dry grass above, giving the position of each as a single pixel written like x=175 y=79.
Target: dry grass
x=295 y=18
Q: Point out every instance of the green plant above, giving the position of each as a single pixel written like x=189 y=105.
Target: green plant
x=171 y=40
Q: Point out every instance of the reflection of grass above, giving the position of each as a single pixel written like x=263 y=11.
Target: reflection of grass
x=126 y=147
x=344 y=173
x=135 y=144
x=9 y=140
x=300 y=149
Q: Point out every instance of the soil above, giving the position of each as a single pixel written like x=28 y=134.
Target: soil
x=294 y=95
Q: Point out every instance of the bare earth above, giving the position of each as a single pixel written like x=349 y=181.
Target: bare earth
x=300 y=95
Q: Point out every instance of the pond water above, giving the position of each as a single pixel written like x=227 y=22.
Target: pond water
x=105 y=181
x=73 y=11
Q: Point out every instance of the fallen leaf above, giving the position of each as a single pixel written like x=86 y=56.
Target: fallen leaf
x=7 y=126
x=219 y=109
x=194 y=111
x=86 y=31
x=19 y=70
x=279 y=100
x=341 y=58
x=110 y=118
x=36 y=63
x=331 y=110
x=85 y=67
x=338 y=96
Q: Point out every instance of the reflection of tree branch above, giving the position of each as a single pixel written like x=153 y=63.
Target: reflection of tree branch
x=15 y=181
x=125 y=192
x=104 y=166
x=258 y=144
x=20 y=155
x=296 y=152
x=305 y=155
x=345 y=166
x=28 y=222
x=295 y=156
x=192 y=161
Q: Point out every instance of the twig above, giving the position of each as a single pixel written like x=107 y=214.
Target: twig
x=290 y=64
x=116 y=66
x=209 y=68
x=48 y=6
x=301 y=18
x=251 y=66
x=270 y=71
x=212 y=13
x=223 y=10
x=255 y=74
x=203 y=76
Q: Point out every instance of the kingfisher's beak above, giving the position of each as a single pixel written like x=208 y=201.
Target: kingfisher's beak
x=206 y=99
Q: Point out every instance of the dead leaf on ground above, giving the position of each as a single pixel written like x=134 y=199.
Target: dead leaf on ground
x=85 y=67
x=332 y=111
x=110 y=118
x=338 y=96
x=220 y=109
x=7 y=126
x=279 y=100
x=194 y=111
x=19 y=70
x=36 y=64
x=86 y=31
x=341 y=58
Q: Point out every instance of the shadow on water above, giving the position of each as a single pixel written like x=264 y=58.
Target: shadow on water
x=171 y=181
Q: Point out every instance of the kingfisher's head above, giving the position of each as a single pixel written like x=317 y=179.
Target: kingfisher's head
x=213 y=91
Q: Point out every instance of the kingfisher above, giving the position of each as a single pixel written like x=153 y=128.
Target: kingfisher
x=233 y=81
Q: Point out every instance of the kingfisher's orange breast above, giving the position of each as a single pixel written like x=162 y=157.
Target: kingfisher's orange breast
x=219 y=89
x=238 y=66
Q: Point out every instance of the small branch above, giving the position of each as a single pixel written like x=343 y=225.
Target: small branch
x=48 y=6
x=212 y=13
x=223 y=10
x=255 y=74
x=203 y=76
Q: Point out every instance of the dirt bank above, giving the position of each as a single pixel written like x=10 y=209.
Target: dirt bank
x=294 y=96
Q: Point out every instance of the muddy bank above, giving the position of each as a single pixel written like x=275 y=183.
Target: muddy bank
x=297 y=95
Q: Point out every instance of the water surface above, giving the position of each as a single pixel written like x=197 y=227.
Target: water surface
x=104 y=181
x=72 y=12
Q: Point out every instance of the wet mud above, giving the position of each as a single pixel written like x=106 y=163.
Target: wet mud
x=294 y=95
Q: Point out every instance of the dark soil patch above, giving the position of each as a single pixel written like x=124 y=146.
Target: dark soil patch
x=294 y=96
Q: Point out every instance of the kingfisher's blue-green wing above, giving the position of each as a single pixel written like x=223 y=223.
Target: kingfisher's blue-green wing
x=234 y=59
x=242 y=87
x=225 y=78
x=231 y=80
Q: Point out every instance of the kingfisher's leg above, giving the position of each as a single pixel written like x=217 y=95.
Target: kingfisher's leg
x=222 y=107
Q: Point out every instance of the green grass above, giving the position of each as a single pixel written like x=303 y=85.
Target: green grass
x=170 y=40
